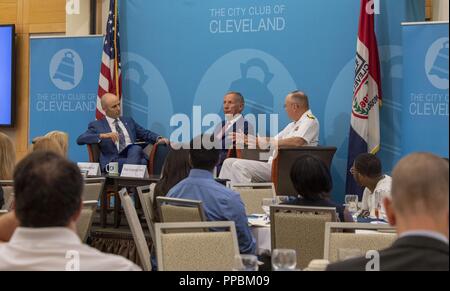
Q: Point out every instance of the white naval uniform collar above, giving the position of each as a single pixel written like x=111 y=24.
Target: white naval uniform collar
x=304 y=117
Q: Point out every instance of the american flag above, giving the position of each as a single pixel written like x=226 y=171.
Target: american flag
x=110 y=80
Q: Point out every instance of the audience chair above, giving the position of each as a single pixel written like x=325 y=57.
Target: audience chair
x=8 y=193
x=300 y=228
x=146 y=197
x=180 y=210
x=136 y=230
x=362 y=236
x=93 y=187
x=252 y=195
x=180 y=249
x=84 y=222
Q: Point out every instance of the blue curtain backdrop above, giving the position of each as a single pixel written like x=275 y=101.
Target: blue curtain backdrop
x=178 y=54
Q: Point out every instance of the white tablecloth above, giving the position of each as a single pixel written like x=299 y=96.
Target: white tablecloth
x=262 y=237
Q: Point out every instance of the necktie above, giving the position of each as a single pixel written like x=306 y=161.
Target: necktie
x=119 y=130
x=223 y=130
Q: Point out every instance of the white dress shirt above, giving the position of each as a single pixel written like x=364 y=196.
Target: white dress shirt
x=56 y=249
x=371 y=200
x=112 y=124
x=307 y=127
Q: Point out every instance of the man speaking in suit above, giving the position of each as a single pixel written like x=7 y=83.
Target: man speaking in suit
x=419 y=210
x=233 y=105
x=116 y=135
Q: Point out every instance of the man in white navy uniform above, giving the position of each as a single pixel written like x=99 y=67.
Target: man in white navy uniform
x=303 y=131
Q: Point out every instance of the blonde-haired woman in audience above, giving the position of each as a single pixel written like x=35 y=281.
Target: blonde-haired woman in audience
x=7 y=161
x=7 y=157
x=44 y=143
x=62 y=138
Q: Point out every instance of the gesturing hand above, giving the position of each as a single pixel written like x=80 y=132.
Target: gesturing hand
x=114 y=136
x=163 y=140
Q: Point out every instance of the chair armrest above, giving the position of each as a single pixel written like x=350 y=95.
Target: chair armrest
x=250 y=154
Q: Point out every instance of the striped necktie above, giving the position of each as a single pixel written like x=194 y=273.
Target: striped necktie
x=122 y=143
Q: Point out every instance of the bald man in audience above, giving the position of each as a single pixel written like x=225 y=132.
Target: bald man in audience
x=41 y=232
x=420 y=212
x=303 y=131
x=116 y=136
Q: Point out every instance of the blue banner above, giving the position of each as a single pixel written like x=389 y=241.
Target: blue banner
x=63 y=87
x=426 y=88
x=180 y=54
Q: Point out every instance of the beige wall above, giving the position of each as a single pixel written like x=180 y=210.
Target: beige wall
x=30 y=17
x=78 y=23
x=440 y=10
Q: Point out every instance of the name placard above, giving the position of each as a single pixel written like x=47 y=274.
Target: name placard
x=134 y=171
x=92 y=169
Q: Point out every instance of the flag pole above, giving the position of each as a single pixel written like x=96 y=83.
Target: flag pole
x=116 y=64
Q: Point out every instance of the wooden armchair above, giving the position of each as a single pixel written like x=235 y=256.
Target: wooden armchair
x=283 y=162
x=157 y=159
x=94 y=153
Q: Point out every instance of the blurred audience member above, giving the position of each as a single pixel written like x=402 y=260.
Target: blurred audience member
x=419 y=210
x=62 y=138
x=219 y=202
x=48 y=191
x=7 y=161
x=47 y=144
x=312 y=180
x=176 y=168
x=367 y=172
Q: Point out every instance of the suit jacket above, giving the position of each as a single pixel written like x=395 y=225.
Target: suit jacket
x=410 y=253
x=108 y=149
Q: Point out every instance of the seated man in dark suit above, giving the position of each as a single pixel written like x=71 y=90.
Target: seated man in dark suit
x=114 y=133
x=419 y=209
x=233 y=105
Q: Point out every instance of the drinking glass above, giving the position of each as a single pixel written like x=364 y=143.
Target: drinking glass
x=282 y=199
x=351 y=201
x=245 y=263
x=284 y=260
x=266 y=203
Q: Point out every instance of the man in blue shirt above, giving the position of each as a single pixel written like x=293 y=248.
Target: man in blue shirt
x=219 y=202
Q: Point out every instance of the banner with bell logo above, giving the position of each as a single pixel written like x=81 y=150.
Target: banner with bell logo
x=63 y=87
x=425 y=88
